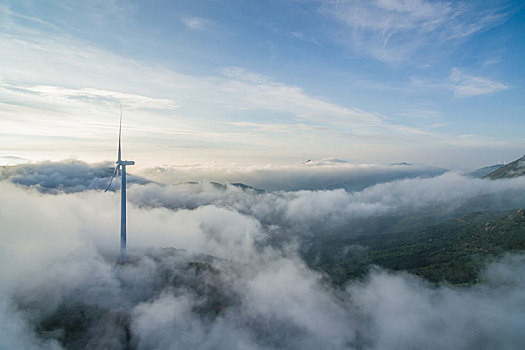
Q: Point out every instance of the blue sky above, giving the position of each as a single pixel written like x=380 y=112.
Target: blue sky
x=432 y=82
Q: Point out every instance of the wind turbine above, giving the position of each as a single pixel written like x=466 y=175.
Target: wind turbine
x=121 y=166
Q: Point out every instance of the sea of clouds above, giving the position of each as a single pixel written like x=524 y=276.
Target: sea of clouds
x=227 y=284
x=329 y=173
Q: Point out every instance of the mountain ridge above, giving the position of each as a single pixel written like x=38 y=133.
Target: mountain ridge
x=509 y=171
x=481 y=172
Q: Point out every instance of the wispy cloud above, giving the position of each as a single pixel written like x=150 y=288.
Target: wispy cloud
x=272 y=127
x=465 y=85
x=6 y=13
x=150 y=87
x=394 y=30
x=420 y=113
x=253 y=90
x=196 y=23
x=52 y=83
x=297 y=35
x=95 y=95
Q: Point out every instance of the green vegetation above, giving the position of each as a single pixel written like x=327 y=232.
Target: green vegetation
x=453 y=251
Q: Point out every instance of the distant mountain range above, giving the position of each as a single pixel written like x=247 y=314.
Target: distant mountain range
x=511 y=170
x=481 y=172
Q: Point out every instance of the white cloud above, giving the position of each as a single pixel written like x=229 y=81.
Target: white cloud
x=281 y=128
x=313 y=175
x=297 y=35
x=421 y=113
x=308 y=196
x=465 y=85
x=131 y=101
x=12 y=160
x=57 y=270
x=257 y=91
x=196 y=23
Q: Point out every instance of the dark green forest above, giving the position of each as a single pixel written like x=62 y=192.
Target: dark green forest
x=454 y=251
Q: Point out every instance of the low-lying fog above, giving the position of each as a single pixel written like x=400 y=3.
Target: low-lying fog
x=235 y=279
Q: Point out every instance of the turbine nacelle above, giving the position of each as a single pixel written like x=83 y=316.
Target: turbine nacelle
x=125 y=162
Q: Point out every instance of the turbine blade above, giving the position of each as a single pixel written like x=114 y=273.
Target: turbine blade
x=112 y=177
x=116 y=180
x=120 y=132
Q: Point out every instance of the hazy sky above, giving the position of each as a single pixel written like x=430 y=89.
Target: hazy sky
x=433 y=82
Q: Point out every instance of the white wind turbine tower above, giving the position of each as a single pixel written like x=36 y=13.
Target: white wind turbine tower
x=121 y=166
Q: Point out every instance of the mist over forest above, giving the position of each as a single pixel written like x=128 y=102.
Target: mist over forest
x=221 y=258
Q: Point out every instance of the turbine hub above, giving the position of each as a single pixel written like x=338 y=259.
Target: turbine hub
x=126 y=162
